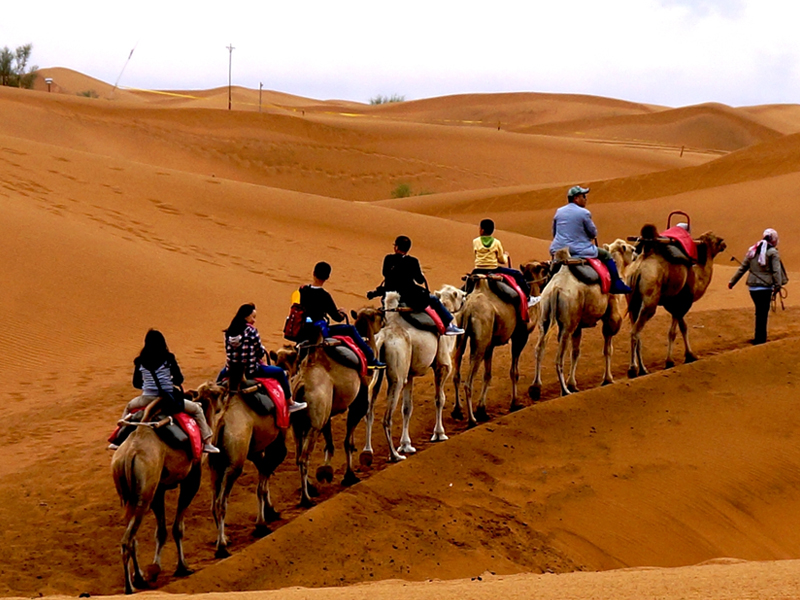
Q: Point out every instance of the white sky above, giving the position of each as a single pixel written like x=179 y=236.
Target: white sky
x=670 y=52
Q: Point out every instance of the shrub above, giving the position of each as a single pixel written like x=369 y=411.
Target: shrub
x=403 y=190
x=88 y=94
x=14 y=69
x=387 y=99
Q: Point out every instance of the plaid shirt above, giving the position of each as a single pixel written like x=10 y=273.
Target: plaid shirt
x=245 y=349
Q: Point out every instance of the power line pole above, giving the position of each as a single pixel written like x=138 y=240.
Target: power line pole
x=260 y=85
x=230 y=61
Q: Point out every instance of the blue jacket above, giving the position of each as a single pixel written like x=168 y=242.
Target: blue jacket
x=573 y=228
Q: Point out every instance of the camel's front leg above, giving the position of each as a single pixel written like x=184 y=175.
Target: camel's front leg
x=572 y=383
x=355 y=413
x=367 y=452
x=325 y=470
x=222 y=491
x=673 y=333
x=689 y=356
x=518 y=343
x=268 y=461
x=392 y=398
x=189 y=488
x=159 y=512
x=461 y=346
x=608 y=352
x=303 y=458
x=408 y=408
x=561 y=357
x=636 y=366
x=535 y=389
x=441 y=372
x=480 y=413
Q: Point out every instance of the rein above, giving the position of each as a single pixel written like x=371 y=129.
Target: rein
x=151 y=424
x=779 y=294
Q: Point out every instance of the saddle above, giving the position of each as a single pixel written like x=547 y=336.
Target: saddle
x=265 y=396
x=426 y=320
x=180 y=432
x=681 y=248
x=504 y=287
x=345 y=352
x=589 y=271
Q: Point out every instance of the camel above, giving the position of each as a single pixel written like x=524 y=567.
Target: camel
x=408 y=353
x=489 y=322
x=574 y=306
x=243 y=434
x=144 y=468
x=330 y=389
x=656 y=282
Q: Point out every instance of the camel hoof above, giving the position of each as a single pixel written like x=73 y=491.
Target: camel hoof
x=261 y=531
x=350 y=478
x=607 y=382
x=182 y=571
x=222 y=552
x=565 y=392
x=439 y=437
x=481 y=415
x=153 y=571
x=313 y=492
x=306 y=503
x=632 y=373
x=690 y=358
x=396 y=458
x=457 y=414
x=271 y=515
x=515 y=407
x=365 y=459
x=472 y=424
x=139 y=583
x=325 y=474
x=573 y=389
x=669 y=364
x=407 y=449
x=534 y=392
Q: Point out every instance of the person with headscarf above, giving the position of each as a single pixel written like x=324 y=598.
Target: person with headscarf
x=766 y=277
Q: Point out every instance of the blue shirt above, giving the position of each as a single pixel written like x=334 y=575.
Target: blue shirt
x=573 y=228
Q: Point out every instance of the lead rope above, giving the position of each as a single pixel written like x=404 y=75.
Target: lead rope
x=781 y=294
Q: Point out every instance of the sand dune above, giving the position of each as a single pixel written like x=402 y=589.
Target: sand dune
x=165 y=210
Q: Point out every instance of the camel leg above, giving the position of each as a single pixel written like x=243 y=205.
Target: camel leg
x=408 y=408
x=272 y=457
x=518 y=342
x=307 y=443
x=367 y=452
x=130 y=561
x=358 y=408
x=325 y=471
x=392 y=398
x=223 y=486
x=673 y=333
x=476 y=356
x=535 y=389
x=159 y=511
x=461 y=346
x=561 y=356
x=188 y=490
x=441 y=372
x=572 y=383
x=480 y=413
x=636 y=366
x=690 y=356
x=608 y=352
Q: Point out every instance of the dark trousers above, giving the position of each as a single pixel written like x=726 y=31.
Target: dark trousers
x=514 y=273
x=265 y=372
x=351 y=332
x=762 y=299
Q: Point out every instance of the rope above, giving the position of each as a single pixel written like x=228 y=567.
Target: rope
x=781 y=293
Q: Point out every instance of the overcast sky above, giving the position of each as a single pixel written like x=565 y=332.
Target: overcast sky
x=669 y=52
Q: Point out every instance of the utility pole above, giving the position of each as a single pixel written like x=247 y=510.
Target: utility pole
x=260 y=85
x=230 y=61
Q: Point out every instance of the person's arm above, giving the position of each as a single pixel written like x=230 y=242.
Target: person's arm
x=589 y=226
x=387 y=266
x=743 y=268
x=502 y=257
x=418 y=276
x=175 y=371
x=776 y=269
x=332 y=310
x=258 y=347
x=138 y=382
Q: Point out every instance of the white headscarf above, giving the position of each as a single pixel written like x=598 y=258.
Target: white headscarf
x=770 y=238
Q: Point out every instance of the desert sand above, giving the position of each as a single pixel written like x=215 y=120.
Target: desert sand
x=129 y=209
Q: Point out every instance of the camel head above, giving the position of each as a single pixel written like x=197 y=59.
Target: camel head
x=391 y=301
x=537 y=274
x=621 y=251
x=285 y=358
x=561 y=255
x=452 y=297
x=709 y=246
x=368 y=321
x=210 y=396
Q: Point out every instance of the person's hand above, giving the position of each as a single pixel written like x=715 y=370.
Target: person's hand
x=342 y=313
x=730 y=285
x=776 y=289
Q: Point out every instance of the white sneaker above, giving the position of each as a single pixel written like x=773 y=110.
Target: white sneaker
x=210 y=448
x=452 y=329
x=297 y=406
x=533 y=301
x=112 y=447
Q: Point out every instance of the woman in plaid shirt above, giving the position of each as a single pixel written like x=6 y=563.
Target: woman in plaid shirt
x=246 y=353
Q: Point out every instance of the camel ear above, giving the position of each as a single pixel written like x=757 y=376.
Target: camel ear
x=193 y=393
x=273 y=355
x=353 y=314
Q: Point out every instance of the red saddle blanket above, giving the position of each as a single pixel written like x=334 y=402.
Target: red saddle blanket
x=189 y=426
x=602 y=271
x=683 y=238
x=523 y=299
x=352 y=345
x=275 y=392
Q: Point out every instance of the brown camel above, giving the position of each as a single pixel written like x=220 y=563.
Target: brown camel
x=490 y=322
x=144 y=468
x=243 y=434
x=657 y=282
x=330 y=389
x=574 y=306
x=408 y=353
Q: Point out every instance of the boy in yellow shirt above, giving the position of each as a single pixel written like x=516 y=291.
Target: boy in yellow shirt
x=490 y=257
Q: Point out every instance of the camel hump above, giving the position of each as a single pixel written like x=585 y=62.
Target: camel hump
x=426 y=320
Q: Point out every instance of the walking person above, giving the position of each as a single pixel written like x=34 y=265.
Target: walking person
x=766 y=276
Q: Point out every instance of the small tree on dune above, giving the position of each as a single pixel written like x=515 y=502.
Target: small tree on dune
x=14 y=69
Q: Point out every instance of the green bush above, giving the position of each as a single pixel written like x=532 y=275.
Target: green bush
x=14 y=69
x=88 y=94
x=387 y=99
x=403 y=190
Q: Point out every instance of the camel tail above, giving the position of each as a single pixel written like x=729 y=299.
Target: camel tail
x=126 y=485
x=635 y=303
x=550 y=312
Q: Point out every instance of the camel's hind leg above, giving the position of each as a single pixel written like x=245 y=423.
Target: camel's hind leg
x=325 y=470
x=518 y=342
x=480 y=412
x=689 y=355
x=572 y=382
x=189 y=488
x=608 y=352
x=636 y=366
x=306 y=436
x=367 y=452
x=458 y=355
x=535 y=389
x=561 y=357
x=408 y=408
x=130 y=562
x=673 y=333
x=159 y=510
x=266 y=463
x=358 y=408
x=441 y=372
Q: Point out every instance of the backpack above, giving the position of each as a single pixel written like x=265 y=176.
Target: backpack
x=295 y=323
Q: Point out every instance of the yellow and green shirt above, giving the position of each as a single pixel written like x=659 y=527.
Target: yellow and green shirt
x=489 y=253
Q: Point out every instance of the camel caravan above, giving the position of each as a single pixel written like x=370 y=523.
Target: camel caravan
x=333 y=367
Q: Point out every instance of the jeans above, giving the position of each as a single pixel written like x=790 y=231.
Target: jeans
x=351 y=332
x=514 y=273
x=263 y=371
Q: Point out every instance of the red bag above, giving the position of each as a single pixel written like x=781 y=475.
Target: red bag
x=295 y=322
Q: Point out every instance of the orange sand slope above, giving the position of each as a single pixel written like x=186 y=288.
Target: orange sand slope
x=143 y=210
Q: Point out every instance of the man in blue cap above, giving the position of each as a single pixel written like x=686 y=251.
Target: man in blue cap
x=573 y=228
